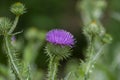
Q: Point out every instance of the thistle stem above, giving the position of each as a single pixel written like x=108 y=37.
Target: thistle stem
x=91 y=62
x=97 y=54
x=53 y=67
x=14 y=24
x=90 y=51
x=11 y=59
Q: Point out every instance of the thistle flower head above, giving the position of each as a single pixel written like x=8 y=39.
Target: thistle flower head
x=60 y=37
x=18 y=8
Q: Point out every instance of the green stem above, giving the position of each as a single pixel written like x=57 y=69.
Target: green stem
x=91 y=62
x=90 y=52
x=11 y=58
x=97 y=54
x=68 y=76
x=53 y=67
x=14 y=24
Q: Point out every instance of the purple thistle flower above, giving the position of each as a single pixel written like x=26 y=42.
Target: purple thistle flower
x=60 y=37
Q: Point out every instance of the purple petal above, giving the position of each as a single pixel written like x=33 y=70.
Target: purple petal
x=61 y=37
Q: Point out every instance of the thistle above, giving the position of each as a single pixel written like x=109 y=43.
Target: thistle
x=17 y=67
x=94 y=32
x=18 y=9
x=58 y=48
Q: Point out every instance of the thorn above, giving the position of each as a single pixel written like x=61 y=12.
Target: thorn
x=17 y=33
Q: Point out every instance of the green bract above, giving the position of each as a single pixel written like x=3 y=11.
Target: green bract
x=18 y=8
x=60 y=52
x=5 y=25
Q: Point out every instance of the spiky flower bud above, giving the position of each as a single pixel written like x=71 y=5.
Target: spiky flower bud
x=60 y=43
x=92 y=29
x=5 y=25
x=18 y=8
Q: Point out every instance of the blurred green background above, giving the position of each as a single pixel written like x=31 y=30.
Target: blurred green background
x=48 y=14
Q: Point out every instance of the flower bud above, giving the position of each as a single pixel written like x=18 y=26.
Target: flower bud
x=18 y=8
x=92 y=29
x=5 y=25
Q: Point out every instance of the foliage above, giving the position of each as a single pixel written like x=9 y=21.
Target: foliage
x=31 y=57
